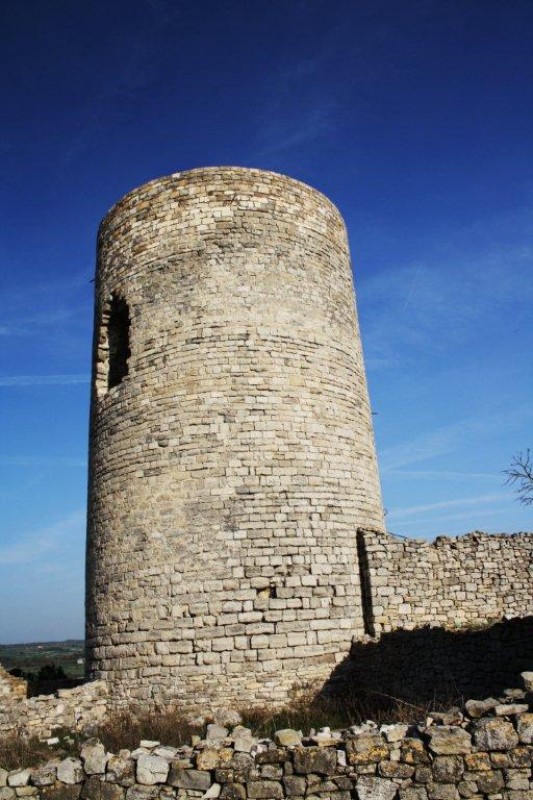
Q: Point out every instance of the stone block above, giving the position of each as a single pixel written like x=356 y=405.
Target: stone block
x=370 y=788
x=314 y=759
x=495 y=734
x=448 y=740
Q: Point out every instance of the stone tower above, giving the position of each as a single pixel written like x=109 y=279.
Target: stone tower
x=232 y=456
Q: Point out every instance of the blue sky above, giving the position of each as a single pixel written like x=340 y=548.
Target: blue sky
x=415 y=118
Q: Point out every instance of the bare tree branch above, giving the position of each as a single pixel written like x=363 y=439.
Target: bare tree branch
x=520 y=475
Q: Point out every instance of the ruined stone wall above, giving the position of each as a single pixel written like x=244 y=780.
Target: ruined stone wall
x=11 y=688
x=232 y=454
x=76 y=709
x=483 y=750
x=450 y=583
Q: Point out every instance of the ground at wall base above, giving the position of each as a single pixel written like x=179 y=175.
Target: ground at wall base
x=482 y=750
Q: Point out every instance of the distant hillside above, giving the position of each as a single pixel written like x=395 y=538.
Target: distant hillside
x=32 y=656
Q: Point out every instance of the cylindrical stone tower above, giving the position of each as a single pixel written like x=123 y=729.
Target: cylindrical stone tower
x=232 y=456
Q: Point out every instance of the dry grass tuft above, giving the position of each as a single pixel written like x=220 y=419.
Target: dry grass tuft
x=125 y=730
x=19 y=752
x=310 y=710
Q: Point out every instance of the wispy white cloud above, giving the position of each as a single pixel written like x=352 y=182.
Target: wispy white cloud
x=448 y=438
x=43 y=380
x=25 y=326
x=479 y=500
x=442 y=474
x=474 y=518
x=283 y=133
x=38 y=544
x=445 y=301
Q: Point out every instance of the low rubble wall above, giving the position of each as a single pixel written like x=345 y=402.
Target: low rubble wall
x=483 y=750
x=76 y=709
x=11 y=688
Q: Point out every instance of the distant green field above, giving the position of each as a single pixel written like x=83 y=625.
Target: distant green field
x=31 y=657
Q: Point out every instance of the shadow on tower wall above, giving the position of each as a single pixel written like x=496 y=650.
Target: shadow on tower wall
x=437 y=664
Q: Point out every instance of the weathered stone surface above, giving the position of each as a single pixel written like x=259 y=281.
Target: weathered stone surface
x=442 y=791
x=412 y=751
x=110 y=791
x=510 y=709
x=448 y=740
x=216 y=732
x=213 y=757
x=369 y=788
x=45 y=774
x=495 y=734
x=195 y=779
x=314 y=759
x=152 y=769
x=413 y=793
x=19 y=777
x=394 y=733
x=94 y=757
x=477 y=761
x=477 y=708
x=490 y=782
x=467 y=788
x=512 y=795
x=527 y=681
x=233 y=791
x=227 y=717
x=91 y=788
x=395 y=769
x=448 y=769
x=423 y=774
x=213 y=792
x=70 y=771
x=243 y=739
x=366 y=748
x=142 y=793
x=120 y=768
x=294 y=785
x=274 y=755
x=520 y=757
x=288 y=737
x=517 y=780
x=266 y=790
x=60 y=791
x=524 y=728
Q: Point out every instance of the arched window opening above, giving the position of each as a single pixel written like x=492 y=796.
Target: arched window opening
x=118 y=339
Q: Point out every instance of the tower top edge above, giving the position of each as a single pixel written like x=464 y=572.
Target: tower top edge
x=223 y=172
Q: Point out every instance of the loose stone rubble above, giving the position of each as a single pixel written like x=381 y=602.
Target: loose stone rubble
x=486 y=752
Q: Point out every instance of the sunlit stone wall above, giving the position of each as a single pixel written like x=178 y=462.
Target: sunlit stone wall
x=233 y=459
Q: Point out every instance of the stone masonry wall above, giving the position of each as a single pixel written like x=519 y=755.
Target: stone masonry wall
x=76 y=709
x=232 y=454
x=451 y=582
x=483 y=750
x=11 y=688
